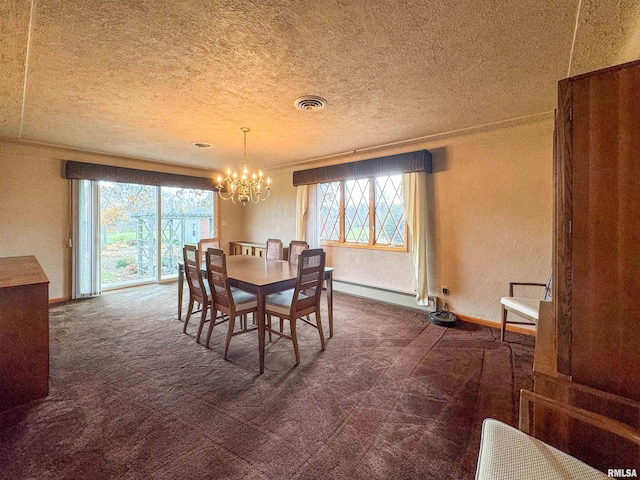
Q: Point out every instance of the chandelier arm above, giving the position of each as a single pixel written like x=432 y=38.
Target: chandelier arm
x=229 y=197
x=255 y=196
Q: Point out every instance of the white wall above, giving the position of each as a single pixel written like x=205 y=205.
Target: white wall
x=274 y=217
x=491 y=214
x=35 y=205
x=491 y=205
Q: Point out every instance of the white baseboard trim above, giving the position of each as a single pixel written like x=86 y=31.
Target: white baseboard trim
x=383 y=295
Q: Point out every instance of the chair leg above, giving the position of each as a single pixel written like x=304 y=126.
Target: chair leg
x=319 y=323
x=232 y=326
x=269 y=325
x=186 y=320
x=203 y=319
x=212 y=323
x=294 y=337
x=281 y=325
x=503 y=327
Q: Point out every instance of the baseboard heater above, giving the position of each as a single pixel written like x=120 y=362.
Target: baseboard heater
x=394 y=297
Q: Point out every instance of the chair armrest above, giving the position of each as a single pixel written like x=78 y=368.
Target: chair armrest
x=529 y=284
x=528 y=398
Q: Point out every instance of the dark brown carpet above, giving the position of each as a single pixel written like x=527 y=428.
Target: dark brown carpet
x=132 y=397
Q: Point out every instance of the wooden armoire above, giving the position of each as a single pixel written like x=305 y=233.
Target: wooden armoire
x=588 y=343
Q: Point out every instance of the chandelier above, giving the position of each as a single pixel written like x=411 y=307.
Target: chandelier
x=244 y=187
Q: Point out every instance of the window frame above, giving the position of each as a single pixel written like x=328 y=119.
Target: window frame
x=372 y=245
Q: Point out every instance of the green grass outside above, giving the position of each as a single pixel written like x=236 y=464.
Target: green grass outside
x=120 y=237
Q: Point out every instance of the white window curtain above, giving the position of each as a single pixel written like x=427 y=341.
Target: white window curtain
x=313 y=218
x=302 y=207
x=307 y=215
x=414 y=188
x=85 y=241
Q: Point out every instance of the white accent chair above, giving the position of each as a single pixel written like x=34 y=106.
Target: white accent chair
x=507 y=453
x=526 y=308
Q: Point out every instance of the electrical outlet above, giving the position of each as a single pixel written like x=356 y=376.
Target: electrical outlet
x=445 y=290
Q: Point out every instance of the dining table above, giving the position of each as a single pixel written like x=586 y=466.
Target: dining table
x=262 y=277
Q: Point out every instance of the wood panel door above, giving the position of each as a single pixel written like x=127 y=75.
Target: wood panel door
x=604 y=226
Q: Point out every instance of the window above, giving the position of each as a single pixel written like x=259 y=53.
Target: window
x=365 y=212
x=135 y=233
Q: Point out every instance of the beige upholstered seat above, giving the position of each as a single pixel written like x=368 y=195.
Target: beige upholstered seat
x=301 y=301
x=506 y=453
x=232 y=302
x=280 y=303
x=526 y=308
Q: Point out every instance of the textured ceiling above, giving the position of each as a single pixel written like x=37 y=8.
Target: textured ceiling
x=147 y=78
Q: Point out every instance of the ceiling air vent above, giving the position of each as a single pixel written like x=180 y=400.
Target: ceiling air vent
x=310 y=102
x=202 y=145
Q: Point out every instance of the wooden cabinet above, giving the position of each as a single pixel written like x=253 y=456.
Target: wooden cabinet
x=597 y=263
x=588 y=348
x=250 y=248
x=24 y=331
x=246 y=248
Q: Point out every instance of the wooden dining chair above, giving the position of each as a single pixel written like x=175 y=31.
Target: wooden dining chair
x=300 y=301
x=206 y=243
x=296 y=247
x=198 y=289
x=232 y=302
x=274 y=249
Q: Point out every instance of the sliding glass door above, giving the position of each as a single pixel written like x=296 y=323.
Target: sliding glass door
x=187 y=216
x=135 y=233
x=128 y=234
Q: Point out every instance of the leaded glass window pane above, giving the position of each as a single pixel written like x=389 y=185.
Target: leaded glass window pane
x=356 y=210
x=329 y=211
x=389 y=211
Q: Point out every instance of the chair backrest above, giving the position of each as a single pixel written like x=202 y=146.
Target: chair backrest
x=204 y=244
x=274 y=249
x=192 y=271
x=310 y=277
x=216 y=263
x=296 y=247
